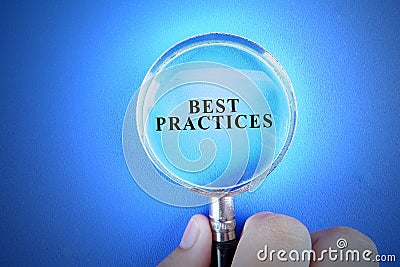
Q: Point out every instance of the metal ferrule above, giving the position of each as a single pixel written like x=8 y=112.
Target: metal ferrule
x=222 y=219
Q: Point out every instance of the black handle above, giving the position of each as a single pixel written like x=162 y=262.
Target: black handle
x=222 y=253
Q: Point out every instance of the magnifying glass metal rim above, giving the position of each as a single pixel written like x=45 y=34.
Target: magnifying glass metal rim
x=224 y=39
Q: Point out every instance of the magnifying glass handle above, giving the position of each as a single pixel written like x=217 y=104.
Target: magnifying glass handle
x=222 y=221
x=222 y=253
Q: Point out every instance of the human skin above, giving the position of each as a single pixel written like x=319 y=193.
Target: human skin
x=278 y=232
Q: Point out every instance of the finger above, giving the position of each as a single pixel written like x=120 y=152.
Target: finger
x=265 y=234
x=349 y=245
x=195 y=247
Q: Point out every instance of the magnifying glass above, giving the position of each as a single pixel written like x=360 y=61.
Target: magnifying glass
x=215 y=115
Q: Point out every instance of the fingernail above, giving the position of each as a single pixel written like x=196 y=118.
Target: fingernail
x=190 y=235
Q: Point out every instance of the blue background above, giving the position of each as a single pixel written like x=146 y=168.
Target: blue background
x=68 y=72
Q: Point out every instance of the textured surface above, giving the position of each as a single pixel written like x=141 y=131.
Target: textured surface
x=68 y=72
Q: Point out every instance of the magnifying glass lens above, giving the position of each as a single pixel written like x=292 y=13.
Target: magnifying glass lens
x=216 y=113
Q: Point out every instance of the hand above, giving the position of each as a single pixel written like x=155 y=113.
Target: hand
x=264 y=232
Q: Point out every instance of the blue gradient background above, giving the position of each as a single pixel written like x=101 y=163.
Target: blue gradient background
x=68 y=72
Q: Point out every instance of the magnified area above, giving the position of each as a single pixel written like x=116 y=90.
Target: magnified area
x=208 y=125
x=215 y=113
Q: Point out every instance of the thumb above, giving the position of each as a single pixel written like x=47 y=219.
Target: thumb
x=195 y=247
